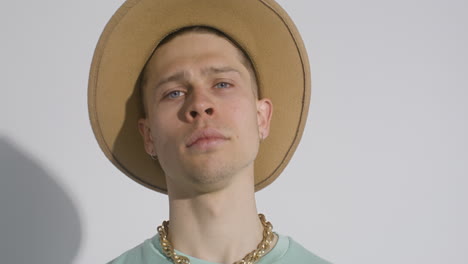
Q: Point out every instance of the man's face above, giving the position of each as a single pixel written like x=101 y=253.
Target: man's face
x=203 y=119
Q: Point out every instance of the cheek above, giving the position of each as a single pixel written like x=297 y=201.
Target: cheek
x=245 y=115
x=161 y=134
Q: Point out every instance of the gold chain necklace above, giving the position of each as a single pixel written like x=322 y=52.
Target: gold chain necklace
x=250 y=258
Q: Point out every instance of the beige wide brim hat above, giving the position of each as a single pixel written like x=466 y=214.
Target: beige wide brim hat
x=260 y=27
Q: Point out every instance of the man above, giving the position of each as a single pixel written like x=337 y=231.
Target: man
x=193 y=79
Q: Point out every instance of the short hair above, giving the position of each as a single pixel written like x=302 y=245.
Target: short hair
x=245 y=59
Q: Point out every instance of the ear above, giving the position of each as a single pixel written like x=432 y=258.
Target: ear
x=264 y=113
x=145 y=132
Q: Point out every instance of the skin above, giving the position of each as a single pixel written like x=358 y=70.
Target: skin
x=205 y=124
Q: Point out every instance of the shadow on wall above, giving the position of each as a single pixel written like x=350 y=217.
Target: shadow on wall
x=38 y=221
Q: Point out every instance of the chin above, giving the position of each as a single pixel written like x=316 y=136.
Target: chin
x=210 y=173
x=211 y=176
x=217 y=176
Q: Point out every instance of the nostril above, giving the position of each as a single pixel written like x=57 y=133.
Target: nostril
x=209 y=111
x=194 y=113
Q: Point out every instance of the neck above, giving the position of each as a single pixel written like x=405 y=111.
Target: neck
x=221 y=226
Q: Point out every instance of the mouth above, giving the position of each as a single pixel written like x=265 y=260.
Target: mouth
x=205 y=138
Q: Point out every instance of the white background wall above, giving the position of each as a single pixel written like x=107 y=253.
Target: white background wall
x=380 y=176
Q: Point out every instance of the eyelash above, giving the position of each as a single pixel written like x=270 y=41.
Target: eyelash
x=171 y=93
x=228 y=84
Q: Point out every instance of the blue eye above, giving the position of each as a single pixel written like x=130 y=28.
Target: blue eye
x=175 y=94
x=223 y=85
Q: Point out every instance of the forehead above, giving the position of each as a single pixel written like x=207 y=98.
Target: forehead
x=194 y=47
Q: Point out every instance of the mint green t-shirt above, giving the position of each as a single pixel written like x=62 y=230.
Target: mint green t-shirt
x=286 y=251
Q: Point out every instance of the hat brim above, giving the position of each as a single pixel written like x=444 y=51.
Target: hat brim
x=260 y=27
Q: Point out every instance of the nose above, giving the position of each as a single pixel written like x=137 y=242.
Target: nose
x=199 y=105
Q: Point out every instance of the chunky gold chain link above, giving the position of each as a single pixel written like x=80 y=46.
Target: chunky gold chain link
x=252 y=257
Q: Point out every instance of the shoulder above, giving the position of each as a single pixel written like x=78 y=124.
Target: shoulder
x=296 y=253
x=144 y=253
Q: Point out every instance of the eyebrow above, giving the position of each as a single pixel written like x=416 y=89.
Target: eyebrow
x=214 y=70
x=182 y=75
x=176 y=77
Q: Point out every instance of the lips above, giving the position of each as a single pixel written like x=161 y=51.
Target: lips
x=206 y=135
